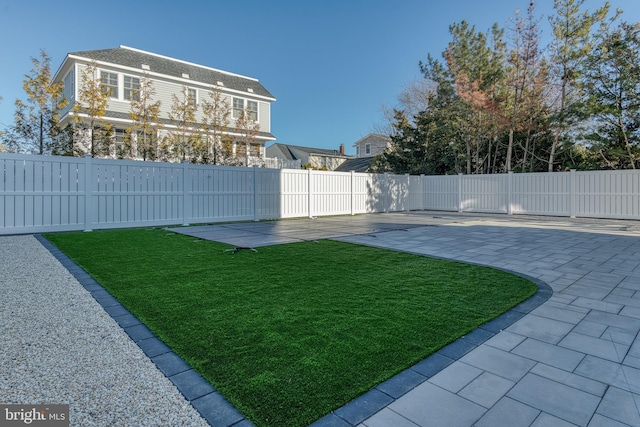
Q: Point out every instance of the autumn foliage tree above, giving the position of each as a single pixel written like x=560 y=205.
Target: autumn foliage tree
x=248 y=129
x=89 y=112
x=36 y=120
x=180 y=141
x=216 y=113
x=145 y=114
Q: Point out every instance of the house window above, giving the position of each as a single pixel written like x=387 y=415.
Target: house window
x=357 y=151
x=131 y=87
x=367 y=149
x=69 y=86
x=238 y=106
x=252 y=110
x=192 y=96
x=109 y=83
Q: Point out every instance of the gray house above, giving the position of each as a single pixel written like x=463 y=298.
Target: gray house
x=367 y=149
x=371 y=145
x=121 y=70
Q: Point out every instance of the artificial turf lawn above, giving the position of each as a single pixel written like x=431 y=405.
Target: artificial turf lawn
x=293 y=331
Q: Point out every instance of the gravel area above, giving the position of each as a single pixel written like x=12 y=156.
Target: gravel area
x=58 y=346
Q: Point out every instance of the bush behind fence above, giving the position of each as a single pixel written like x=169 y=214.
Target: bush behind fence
x=49 y=193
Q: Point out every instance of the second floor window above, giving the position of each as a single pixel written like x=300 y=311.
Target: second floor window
x=238 y=106
x=367 y=149
x=252 y=110
x=192 y=97
x=131 y=87
x=69 y=86
x=109 y=83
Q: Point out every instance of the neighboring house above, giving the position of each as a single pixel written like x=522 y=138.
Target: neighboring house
x=318 y=158
x=371 y=145
x=367 y=149
x=121 y=69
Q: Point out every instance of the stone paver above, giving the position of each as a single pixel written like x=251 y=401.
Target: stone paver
x=575 y=360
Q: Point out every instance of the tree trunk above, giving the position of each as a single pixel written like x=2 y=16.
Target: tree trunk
x=626 y=142
x=41 y=134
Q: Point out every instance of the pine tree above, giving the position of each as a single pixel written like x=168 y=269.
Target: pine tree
x=612 y=80
x=570 y=48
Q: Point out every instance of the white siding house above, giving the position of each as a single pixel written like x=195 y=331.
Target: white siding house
x=371 y=145
x=121 y=70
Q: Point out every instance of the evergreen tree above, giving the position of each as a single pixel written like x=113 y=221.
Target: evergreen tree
x=612 y=80
x=572 y=43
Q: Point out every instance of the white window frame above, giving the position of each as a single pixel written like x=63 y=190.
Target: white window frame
x=367 y=149
x=69 y=82
x=253 y=114
x=114 y=93
x=125 y=89
x=191 y=90
x=236 y=108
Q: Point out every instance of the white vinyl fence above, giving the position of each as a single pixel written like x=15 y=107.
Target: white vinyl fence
x=48 y=193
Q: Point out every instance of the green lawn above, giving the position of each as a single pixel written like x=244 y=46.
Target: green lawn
x=293 y=331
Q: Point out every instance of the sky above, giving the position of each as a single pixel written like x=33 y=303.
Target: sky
x=331 y=64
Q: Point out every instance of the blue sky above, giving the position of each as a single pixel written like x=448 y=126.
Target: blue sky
x=331 y=64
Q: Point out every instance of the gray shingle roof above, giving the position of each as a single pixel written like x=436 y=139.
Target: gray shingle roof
x=173 y=67
x=360 y=164
x=289 y=151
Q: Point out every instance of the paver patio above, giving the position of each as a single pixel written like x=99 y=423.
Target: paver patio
x=574 y=360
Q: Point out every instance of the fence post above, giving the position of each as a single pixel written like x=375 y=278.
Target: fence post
x=572 y=193
x=185 y=191
x=407 y=197
x=509 y=192
x=353 y=193
x=309 y=201
x=387 y=201
x=423 y=196
x=255 y=193
x=460 y=192
x=88 y=193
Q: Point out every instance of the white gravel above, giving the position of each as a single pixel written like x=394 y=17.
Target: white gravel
x=58 y=346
